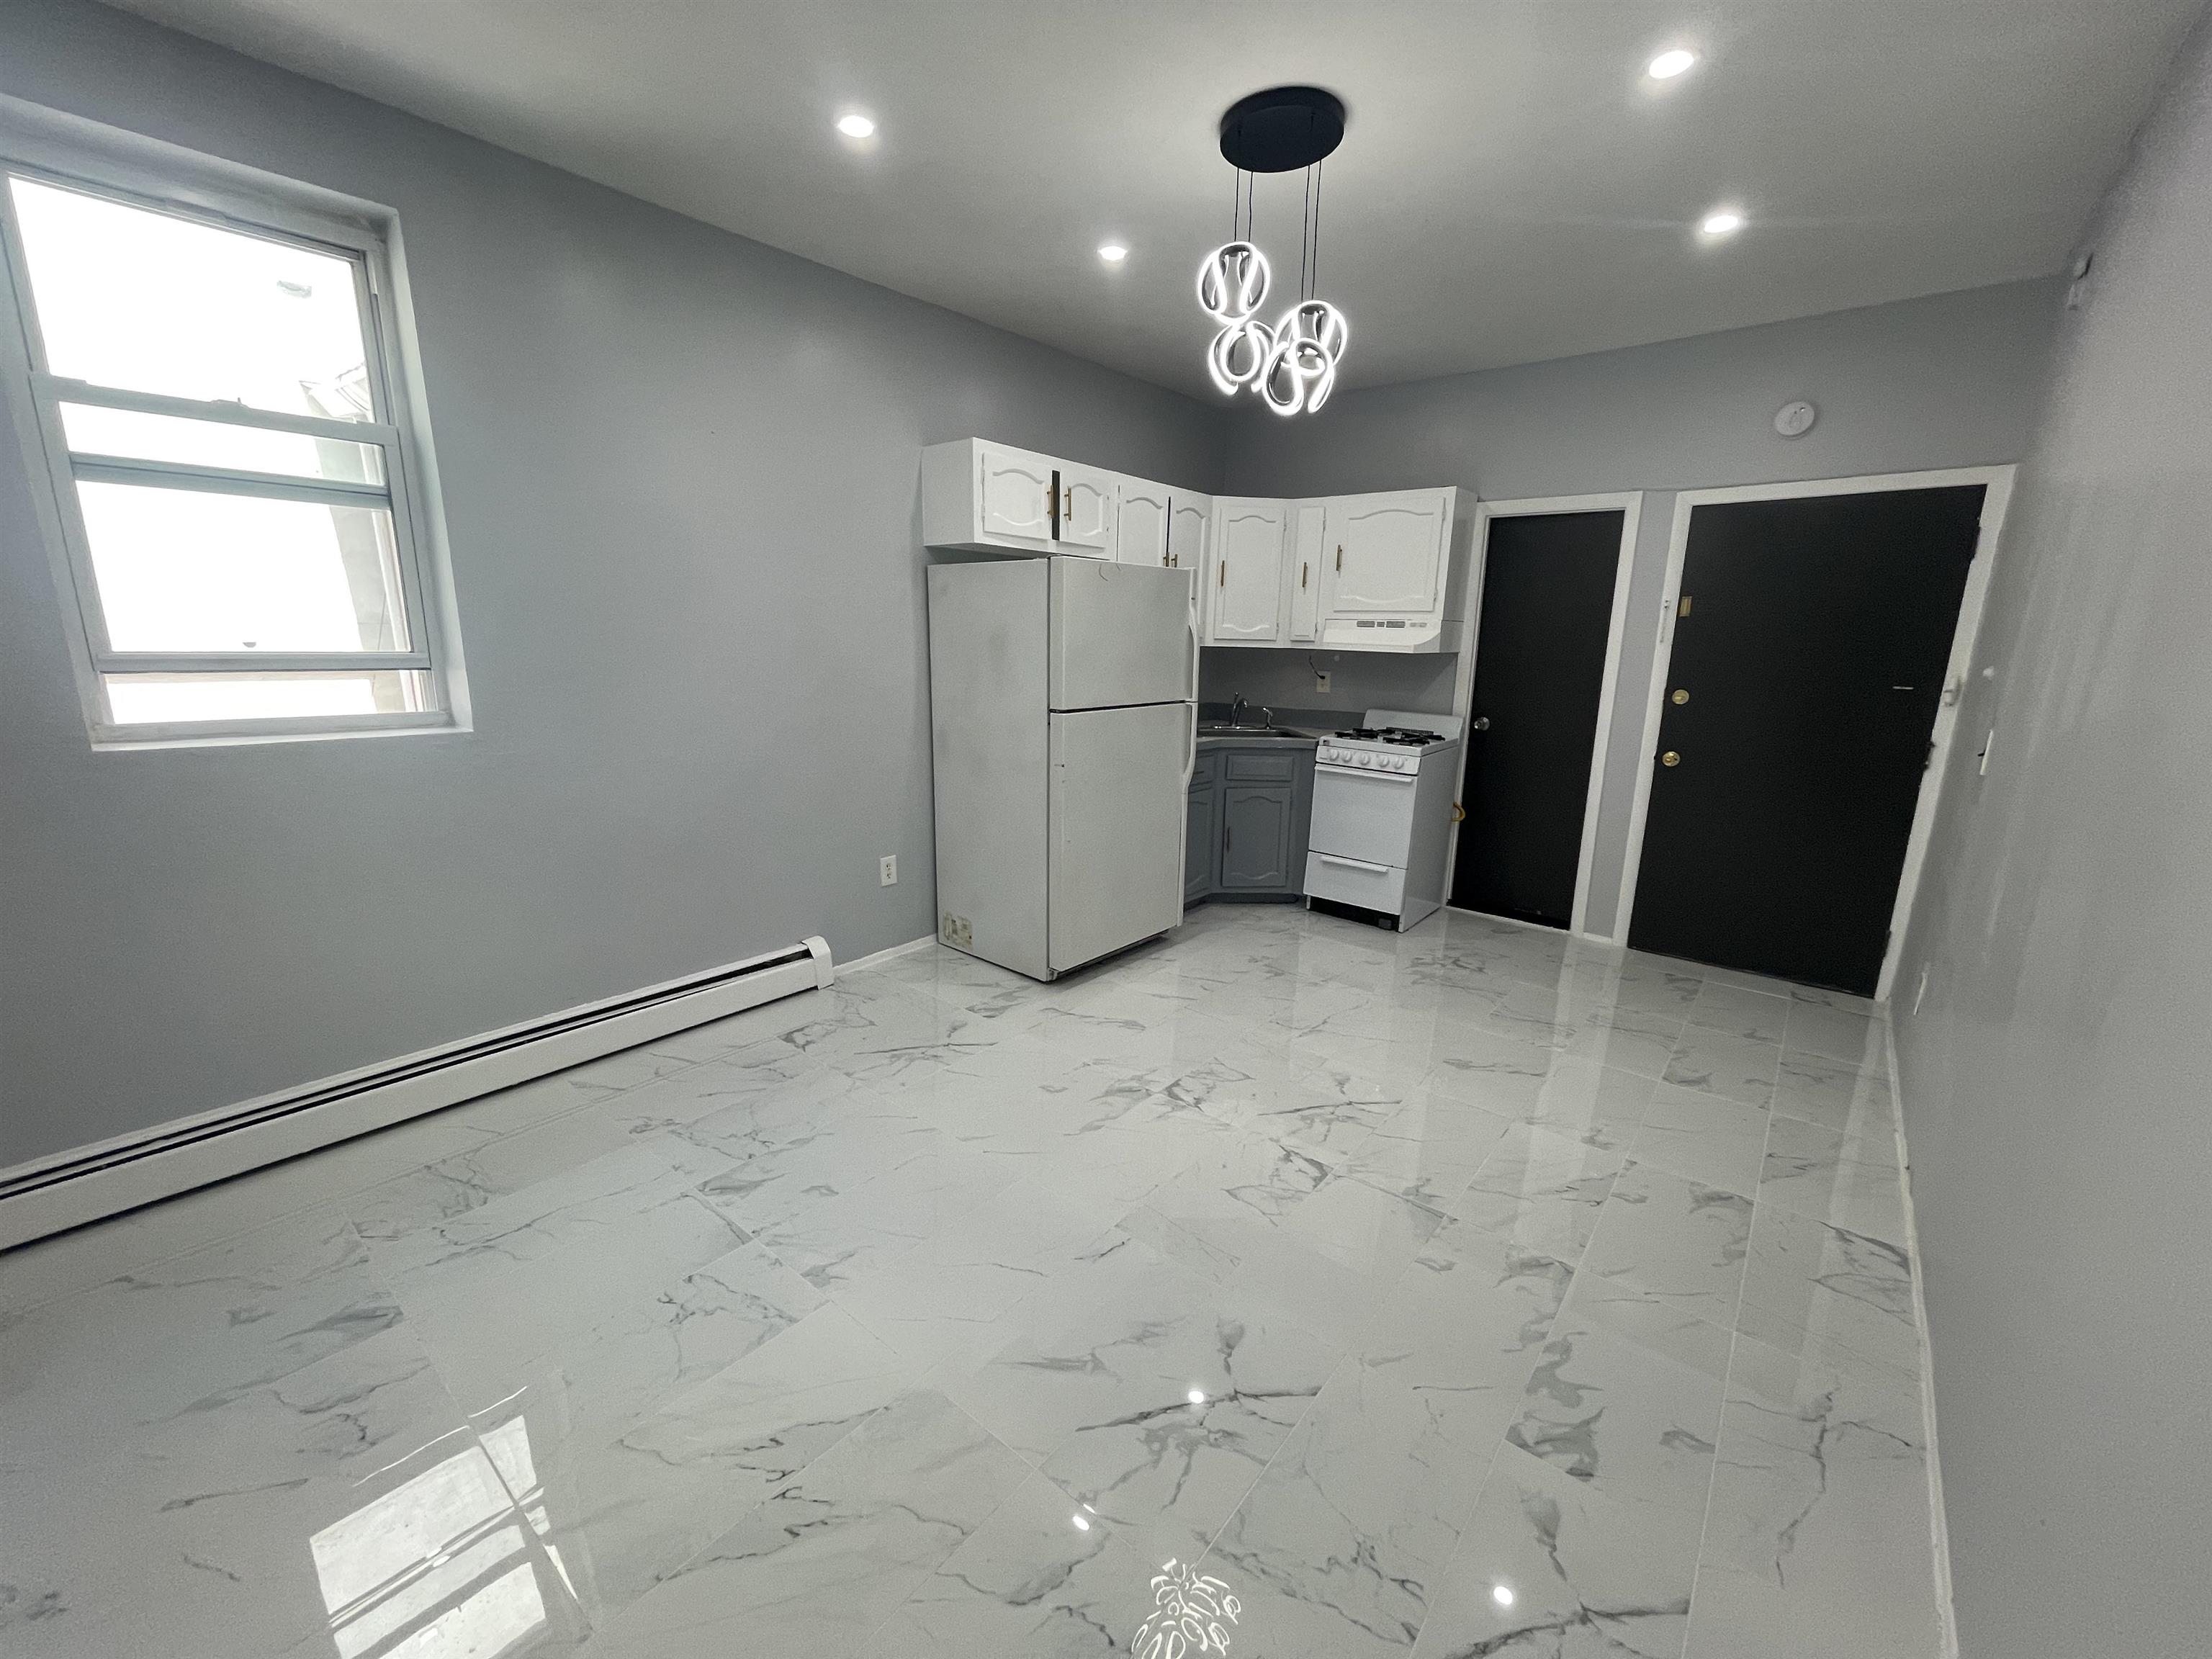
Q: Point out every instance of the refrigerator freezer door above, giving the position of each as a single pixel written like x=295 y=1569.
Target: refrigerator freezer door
x=1121 y=635
x=1117 y=819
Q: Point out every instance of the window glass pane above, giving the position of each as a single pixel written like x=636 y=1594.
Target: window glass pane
x=93 y=430
x=193 y=571
x=146 y=302
x=147 y=699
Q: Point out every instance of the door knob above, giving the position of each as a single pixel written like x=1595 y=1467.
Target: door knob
x=1680 y=697
x=1670 y=758
x=1481 y=722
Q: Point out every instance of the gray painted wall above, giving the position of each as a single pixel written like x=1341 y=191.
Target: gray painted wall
x=679 y=473
x=1948 y=381
x=2056 y=1076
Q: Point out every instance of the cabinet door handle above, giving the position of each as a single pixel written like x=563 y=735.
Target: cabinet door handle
x=1301 y=577
x=1340 y=558
x=1067 y=502
x=1221 y=573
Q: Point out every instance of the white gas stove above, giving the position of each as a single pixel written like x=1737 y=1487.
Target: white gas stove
x=1382 y=814
x=1389 y=747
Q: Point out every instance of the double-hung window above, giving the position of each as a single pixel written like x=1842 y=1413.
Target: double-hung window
x=242 y=539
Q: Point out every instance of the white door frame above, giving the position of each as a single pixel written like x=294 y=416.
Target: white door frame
x=1998 y=482
x=1629 y=505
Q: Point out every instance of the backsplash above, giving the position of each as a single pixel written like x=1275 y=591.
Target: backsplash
x=1283 y=680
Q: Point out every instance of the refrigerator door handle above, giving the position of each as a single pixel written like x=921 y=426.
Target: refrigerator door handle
x=1190 y=754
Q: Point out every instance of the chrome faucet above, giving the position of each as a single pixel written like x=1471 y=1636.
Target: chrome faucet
x=1236 y=709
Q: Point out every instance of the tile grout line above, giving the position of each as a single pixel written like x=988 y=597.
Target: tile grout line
x=1946 y=1611
x=1735 y=1338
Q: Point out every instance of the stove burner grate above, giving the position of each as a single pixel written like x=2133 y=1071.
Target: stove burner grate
x=1406 y=736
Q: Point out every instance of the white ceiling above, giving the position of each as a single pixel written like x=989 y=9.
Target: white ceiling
x=1510 y=186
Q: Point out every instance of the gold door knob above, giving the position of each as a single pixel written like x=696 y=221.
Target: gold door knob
x=1670 y=758
x=1680 y=697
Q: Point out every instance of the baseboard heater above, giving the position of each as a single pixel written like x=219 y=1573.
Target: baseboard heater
x=86 y=1183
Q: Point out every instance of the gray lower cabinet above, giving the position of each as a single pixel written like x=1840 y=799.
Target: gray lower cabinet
x=1249 y=807
x=1255 y=837
x=1203 y=845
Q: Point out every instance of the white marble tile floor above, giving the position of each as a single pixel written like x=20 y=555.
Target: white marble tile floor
x=1319 y=1291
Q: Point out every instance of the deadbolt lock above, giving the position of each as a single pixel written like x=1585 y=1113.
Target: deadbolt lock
x=1670 y=758
x=1680 y=697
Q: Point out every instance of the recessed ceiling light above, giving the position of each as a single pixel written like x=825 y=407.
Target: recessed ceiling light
x=1502 y=1594
x=1668 y=65
x=1198 y=1396
x=1113 y=252
x=856 y=125
x=1721 y=222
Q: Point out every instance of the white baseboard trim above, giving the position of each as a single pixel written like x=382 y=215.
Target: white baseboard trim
x=882 y=956
x=68 y=1189
x=1530 y=926
x=1946 y=1608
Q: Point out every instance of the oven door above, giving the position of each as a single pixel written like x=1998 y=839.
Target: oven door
x=1358 y=814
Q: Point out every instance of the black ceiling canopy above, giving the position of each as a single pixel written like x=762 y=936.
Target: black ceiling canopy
x=1282 y=128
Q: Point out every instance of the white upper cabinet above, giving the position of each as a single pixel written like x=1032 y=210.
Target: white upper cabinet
x=1190 y=515
x=1244 y=599
x=1307 y=527
x=1395 y=572
x=1013 y=496
x=1086 y=510
x=1387 y=552
x=1140 y=517
x=993 y=498
x=1381 y=572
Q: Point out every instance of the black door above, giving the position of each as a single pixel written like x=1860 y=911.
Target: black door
x=1538 y=672
x=1810 y=644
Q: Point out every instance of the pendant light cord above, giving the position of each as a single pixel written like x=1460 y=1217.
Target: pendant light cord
x=1317 y=229
x=1305 y=233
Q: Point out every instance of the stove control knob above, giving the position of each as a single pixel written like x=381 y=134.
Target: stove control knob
x=1366 y=760
x=1397 y=762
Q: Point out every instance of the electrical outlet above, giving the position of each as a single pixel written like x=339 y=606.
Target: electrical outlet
x=1321 y=679
x=887 y=871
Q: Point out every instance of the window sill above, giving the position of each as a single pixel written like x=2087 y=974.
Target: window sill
x=235 y=734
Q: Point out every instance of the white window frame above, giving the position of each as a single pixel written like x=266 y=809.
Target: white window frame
x=205 y=191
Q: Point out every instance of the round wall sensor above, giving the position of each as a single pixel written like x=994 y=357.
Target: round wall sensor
x=1796 y=420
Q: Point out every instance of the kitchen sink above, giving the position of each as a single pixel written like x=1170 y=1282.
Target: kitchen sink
x=1226 y=729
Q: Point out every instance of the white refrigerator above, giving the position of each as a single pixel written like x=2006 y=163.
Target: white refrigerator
x=1063 y=723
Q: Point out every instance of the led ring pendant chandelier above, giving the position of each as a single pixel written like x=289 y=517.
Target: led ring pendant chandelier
x=1292 y=365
